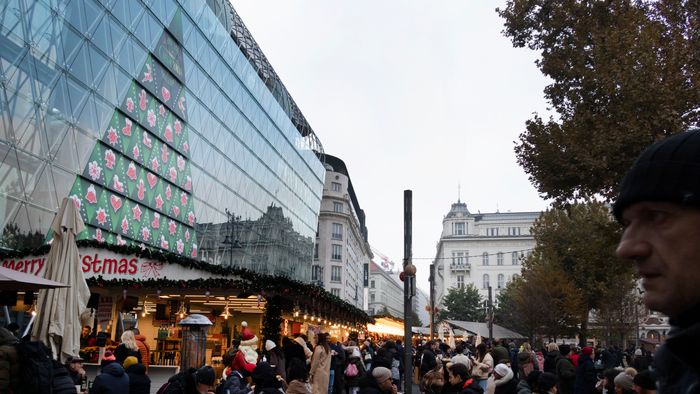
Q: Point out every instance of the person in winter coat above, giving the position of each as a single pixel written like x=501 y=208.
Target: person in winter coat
x=275 y=357
x=428 y=361
x=547 y=383
x=504 y=381
x=292 y=349
x=459 y=381
x=500 y=353
x=192 y=381
x=297 y=378
x=143 y=347
x=301 y=340
x=112 y=379
x=527 y=361
x=529 y=384
x=139 y=382
x=565 y=372
x=265 y=380
x=62 y=382
x=337 y=367
x=353 y=375
x=482 y=365
x=9 y=363
x=127 y=348
x=378 y=382
x=319 y=373
x=586 y=377
x=550 y=359
x=232 y=380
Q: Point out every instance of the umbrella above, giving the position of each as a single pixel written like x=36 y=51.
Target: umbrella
x=11 y=280
x=451 y=339
x=58 y=318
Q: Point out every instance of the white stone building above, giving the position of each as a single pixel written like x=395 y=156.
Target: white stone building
x=481 y=248
x=341 y=249
x=385 y=292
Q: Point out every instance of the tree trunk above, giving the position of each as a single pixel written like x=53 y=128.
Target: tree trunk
x=583 y=333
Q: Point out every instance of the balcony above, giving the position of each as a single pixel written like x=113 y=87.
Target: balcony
x=460 y=266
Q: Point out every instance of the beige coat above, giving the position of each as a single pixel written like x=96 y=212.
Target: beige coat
x=298 y=387
x=481 y=370
x=320 y=372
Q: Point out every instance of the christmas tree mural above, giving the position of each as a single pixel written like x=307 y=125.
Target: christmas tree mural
x=136 y=188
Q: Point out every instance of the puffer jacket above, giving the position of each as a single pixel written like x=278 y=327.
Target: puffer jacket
x=113 y=379
x=9 y=363
x=139 y=382
x=676 y=362
x=143 y=348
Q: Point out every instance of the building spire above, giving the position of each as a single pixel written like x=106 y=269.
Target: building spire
x=459 y=192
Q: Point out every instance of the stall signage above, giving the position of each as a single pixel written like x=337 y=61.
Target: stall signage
x=104 y=309
x=110 y=265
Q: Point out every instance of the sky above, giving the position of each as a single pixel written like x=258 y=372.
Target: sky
x=426 y=96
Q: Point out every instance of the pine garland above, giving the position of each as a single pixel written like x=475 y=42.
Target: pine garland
x=272 y=319
x=311 y=298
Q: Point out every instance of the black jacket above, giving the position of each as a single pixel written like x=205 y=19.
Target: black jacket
x=463 y=388
x=113 y=379
x=181 y=383
x=677 y=363
x=122 y=352
x=428 y=362
x=585 y=376
x=368 y=385
x=550 y=361
x=62 y=382
x=139 y=382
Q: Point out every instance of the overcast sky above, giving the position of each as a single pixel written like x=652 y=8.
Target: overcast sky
x=410 y=95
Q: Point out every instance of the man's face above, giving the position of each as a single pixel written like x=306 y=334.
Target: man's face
x=454 y=379
x=663 y=241
x=75 y=367
x=385 y=385
x=85 y=332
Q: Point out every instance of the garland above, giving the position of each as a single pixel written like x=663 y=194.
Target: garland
x=272 y=319
x=315 y=299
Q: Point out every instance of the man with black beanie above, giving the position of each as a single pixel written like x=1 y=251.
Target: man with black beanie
x=659 y=207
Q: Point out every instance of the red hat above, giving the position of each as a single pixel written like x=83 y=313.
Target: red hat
x=245 y=332
x=587 y=350
x=108 y=356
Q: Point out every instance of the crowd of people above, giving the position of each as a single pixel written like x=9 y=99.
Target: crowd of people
x=507 y=367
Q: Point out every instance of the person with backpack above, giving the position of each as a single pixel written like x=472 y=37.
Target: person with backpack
x=112 y=379
x=139 y=382
x=354 y=371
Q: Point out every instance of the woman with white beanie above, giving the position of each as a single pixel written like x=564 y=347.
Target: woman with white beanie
x=275 y=357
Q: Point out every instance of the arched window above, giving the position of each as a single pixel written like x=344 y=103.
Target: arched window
x=486 y=281
x=501 y=281
x=499 y=258
x=485 y=258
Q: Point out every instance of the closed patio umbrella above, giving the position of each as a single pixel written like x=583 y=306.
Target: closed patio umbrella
x=58 y=310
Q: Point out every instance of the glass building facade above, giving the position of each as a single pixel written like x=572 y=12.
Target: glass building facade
x=163 y=123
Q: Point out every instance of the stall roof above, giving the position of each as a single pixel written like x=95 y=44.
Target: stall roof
x=479 y=328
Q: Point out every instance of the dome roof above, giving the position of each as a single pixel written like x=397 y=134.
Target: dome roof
x=458 y=210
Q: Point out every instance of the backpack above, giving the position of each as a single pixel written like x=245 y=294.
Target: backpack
x=351 y=370
x=35 y=368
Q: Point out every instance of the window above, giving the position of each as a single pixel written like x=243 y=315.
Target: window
x=371 y=284
x=335 y=186
x=499 y=258
x=485 y=258
x=460 y=281
x=501 y=281
x=337 y=207
x=335 y=273
x=458 y=258
x=493 y=232
x=335 y=292
x=459 y=229
x=337 y=252
x=514 y=258
x=337 y=232
x=486 y=281
x=513 y=230
x=371 y=297
x=316 y=273
x=316 y=251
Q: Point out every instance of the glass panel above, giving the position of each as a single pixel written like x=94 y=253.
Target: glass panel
x=64 y=151
x=70 y=43
x=10 y=179
x=40 y=189
x=63 y=181
x=102 y=38
x=40 y=221
x=80 y=68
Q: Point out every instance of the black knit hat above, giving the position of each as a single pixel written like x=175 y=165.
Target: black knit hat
x=669 y=171
x=205 y=375
x=645 y=379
